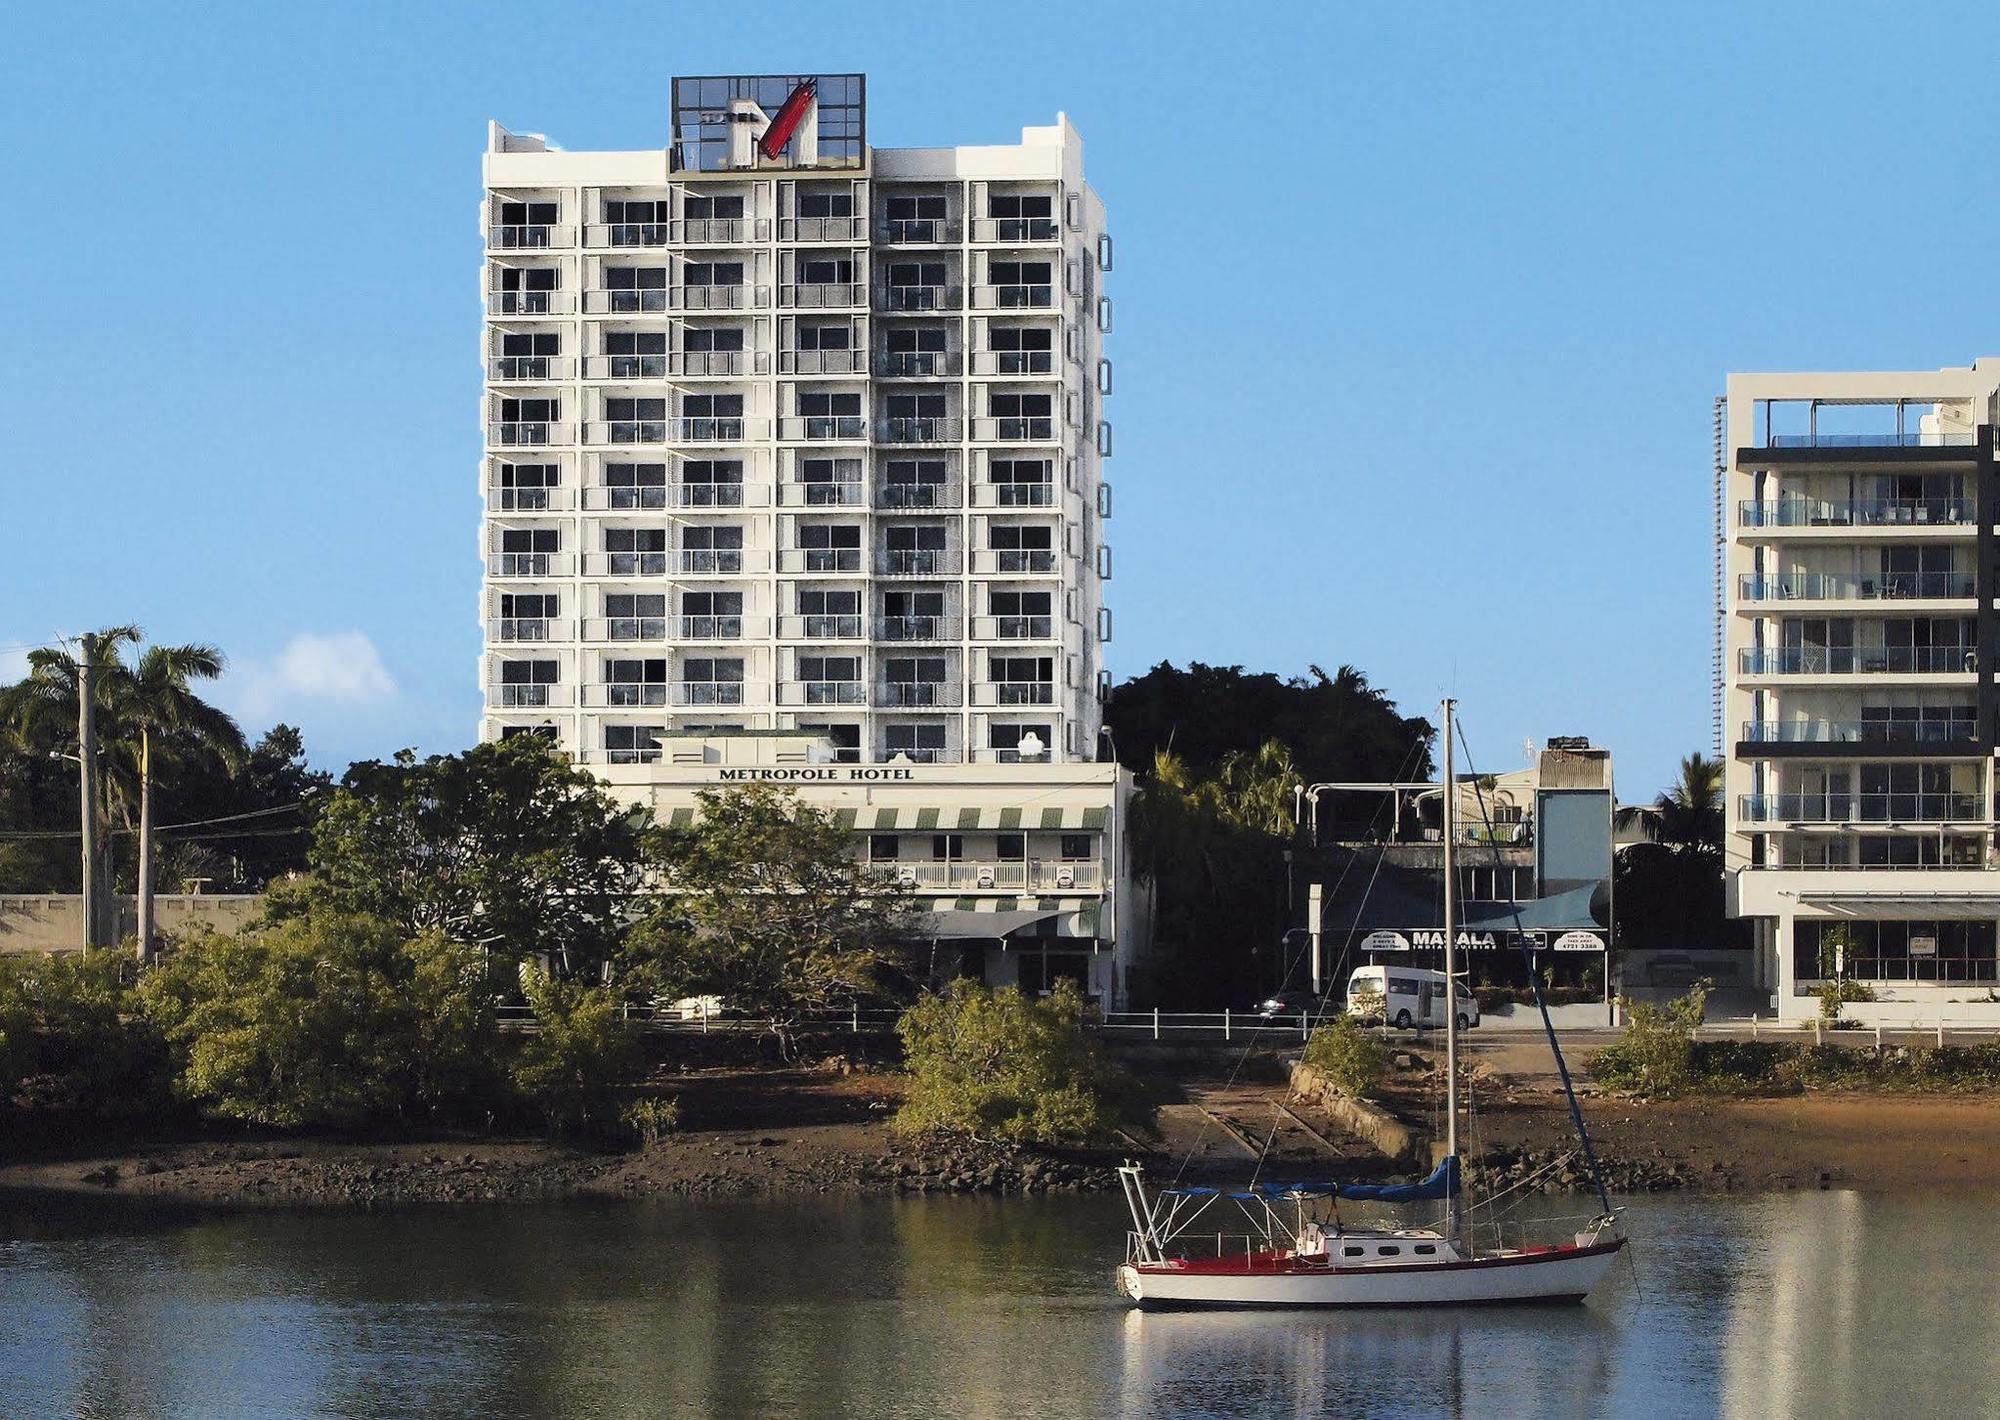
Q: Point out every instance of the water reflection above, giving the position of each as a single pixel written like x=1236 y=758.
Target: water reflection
x=1820 y=1305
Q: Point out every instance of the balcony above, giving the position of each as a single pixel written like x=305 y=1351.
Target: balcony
x=683 y=628
x=529 y=433
x=1013 y=298
x=919 y=298
x=534 y=236
x=916 y=231
x=1010 y=561
x=655 y=300
x=627 y=694
x=682 y=231
x=1041 y=875
x=531 y=630
x=527 y=500
x=1014 y=692
x=529 y=697
x=704 y=430
x=822 y=627
x=823 y=229
x=918 y=562
x=528 y=303
x=1015 y=230
x=1013 y=362
x=1860 y=808
x=823 y=362
x=1013 y=495
x=916 y=497
x=823 y=428
x=823 y=296
x=922 y=429
x=1013 y=628
x=820 y=561
x=625 y=564
x=663 y=364
x=845 y=493
x=1958 y=730
x=722 y=561
x=1905 y=439
x=918 y=695
x=708 y=692
x=916 y=628
x=1798 y=512
x=823 y=692
x=529 y=564
x=638 y=497
x=523 y=369
x=1856 y=586
x=1015 y=429
x=1858 y=660
x=916 y=364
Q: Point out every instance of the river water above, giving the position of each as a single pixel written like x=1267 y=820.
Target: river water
x=1819 y=1304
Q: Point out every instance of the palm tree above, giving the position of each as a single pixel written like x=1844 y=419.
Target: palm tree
x=1687 y=818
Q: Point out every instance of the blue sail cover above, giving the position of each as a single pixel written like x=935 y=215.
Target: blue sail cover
x=1442 y=1183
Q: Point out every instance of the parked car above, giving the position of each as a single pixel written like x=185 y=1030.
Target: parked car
x=1291 y=1005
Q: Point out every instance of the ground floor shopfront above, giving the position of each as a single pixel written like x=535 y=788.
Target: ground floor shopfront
x=1924 y=943
x=1020 y=870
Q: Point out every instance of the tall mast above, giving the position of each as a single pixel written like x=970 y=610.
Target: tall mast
x=1450 y=966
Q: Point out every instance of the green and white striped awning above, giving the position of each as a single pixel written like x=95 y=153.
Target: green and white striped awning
x=959 y=916
x=879 y=819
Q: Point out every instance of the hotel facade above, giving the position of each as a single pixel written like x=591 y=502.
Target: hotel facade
x=794 y=470
x=1858 y=608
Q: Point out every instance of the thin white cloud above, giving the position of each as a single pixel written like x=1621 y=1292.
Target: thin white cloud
x=310 y=671
x=13 y=666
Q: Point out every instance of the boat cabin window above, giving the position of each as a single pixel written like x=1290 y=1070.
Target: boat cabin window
x=1424 y=1249
x=1352 y=1251
x=1388 y=1252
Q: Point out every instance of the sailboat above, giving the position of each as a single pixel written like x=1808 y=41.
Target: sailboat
x=1292 y=1250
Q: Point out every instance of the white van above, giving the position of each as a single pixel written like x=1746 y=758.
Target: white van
x=1406 y=996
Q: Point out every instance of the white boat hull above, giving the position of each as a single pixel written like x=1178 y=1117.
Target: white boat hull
x=1559 y=1275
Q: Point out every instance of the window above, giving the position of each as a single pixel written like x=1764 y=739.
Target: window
x=1022 y=549
x=524 y=290
x=636 y=421
x=913 y=483
x=1022 y=616
x=527 y=421
x=712 y=483
x=945 y=847
x=1022 y=217
x=1010 y=847
x=631 y=552
x=540 y=732
x=1023 y=680
x=1352 y=1251
x=912 y=616
x=912 y=680
x=524 y=683
x=1077 y=847
x=831 y=547
x=712 y=614
x=1388 y=1252
x=1022 y=416
x=636 y=485
x=631 y=289
x=1006 y=742
x=524 y=487
x=711 y=680
x=712 y=416
x=712 y=273
x=1022 y=283
x=636 y=616
x=825 y=337
x=831 y=680
x=635 y=354
x=826 y=202
x=924 y=744
x=637 y=223
x=1425 y=1249
x=845 y=739
x=824 y=270
x=831 y=482
x=1021 y=349
x=831 y=414
x=723 y=206
x=915 y=285
x=919 y=217
x=711 y=549
x=883 y=847
x=526 y=616
x=635 y=682
x=525 y=224
x=1022 y=483
x=527 y=552
x=633 y=744
x=529 y=356
x=916 y=548
x=830 y=614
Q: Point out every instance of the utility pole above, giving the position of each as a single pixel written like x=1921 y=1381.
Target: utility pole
x=86 y=757
x=145 y=846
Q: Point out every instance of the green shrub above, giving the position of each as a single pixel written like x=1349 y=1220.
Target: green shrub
x=68 y=1040
x=1656 y=1053
x=653 y=1118
x=1836 y=993
x=1352 y=1059
x=580 y=1053
x=998 y=1065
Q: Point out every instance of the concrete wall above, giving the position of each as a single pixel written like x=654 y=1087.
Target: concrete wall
x=54 y=923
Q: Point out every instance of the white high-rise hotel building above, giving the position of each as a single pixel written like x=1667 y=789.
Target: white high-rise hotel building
x=1860 y=636
x=784 y=432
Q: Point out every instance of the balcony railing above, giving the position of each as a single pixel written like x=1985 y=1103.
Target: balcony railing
x=725 y=430
x=721 y=561
x=528 y=303
x=920 y=429
x=1013 y=297
x=680 y=231
x=1845 y=586
x=1871 y=512
x=1013 y=628
x=529 y=433
x=1860 y=808
x=631 y=497
x=1948 y=439
x=685 y=628
x=1010 y=876
x=1858 y=660
x=708 y=692
x=814 y=295
x=1014 y=692
x=1015 y=229
x=1030 y=561
x=918 y=562
x=916 y=364
x=529 y=697
x=823 y=362
x=823 y=229
x=1013 y=362
x=821 y=560
x=533 y=236
x=846 y=493
x=626 y=564
x=656 y=299
x=918 y=694
x=822 y=428
x=916 y=628
x=515 y=369
x=916 y=231
x=904 y=497
x=824 y=692
x=1013 y=495
x=1962 y=729
x=919 y=298
x=627 y=695
x=818 y=626
x=661 y=364
x=531 y=629
x=1015 y=429
x=527 y=500
x=530 y=564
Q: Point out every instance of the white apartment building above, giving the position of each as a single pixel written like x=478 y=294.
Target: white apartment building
x=794 y=471
x=1857 y=602
x=784 y=432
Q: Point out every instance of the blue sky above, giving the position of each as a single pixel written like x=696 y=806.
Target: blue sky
x=1420 y=310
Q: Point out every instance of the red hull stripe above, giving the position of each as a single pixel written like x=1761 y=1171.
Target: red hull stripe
x=1292 y=1267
